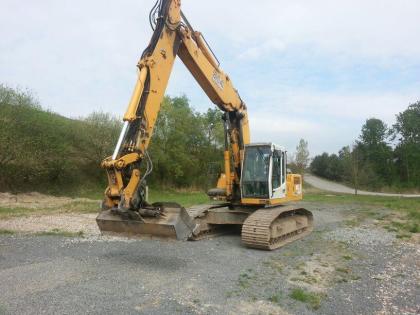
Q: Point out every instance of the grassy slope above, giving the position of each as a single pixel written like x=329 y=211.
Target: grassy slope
x=45 y=151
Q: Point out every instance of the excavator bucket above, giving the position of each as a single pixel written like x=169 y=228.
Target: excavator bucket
x=173 y=223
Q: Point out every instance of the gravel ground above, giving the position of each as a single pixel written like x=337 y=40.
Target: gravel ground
x=361 y=270
x=389 y=269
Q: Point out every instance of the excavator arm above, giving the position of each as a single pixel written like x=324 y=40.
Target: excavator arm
x=173 y=36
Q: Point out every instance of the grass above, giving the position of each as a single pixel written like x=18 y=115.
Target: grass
x=15 y=211
x=310 y=298
x=343 y=270
x=184 y=198
x=276 y=298
x=305 y=278
x=244 y=280
x=58 y=232
x=352 y=222
x=409 y=205
x=274 y=264
x=6 y=232
x=76 y=206
x=82 y=206
x=53 y=232
x=347 y=257
x=408 y=209
x=403 y=228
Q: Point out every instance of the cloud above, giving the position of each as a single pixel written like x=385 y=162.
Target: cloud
x=268 y=47
x=306 y=69
x=282 y=123
x=338 y=105
x=78 y=56
x=381 y=29
x=328 y=121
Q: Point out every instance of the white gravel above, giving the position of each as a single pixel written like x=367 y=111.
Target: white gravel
x=366 y=236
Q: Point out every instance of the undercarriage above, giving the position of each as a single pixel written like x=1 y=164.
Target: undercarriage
x=264 y=228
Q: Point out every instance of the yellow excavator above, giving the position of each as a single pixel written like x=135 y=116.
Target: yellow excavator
x=255 y=191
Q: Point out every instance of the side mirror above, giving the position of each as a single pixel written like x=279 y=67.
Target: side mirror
x=288 y=171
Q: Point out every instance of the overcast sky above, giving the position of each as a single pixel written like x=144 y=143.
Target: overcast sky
x=306 y=69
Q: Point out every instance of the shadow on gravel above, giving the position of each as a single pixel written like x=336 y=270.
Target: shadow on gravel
x=138 y=259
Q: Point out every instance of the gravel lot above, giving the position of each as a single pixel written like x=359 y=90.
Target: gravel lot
x=353 y=270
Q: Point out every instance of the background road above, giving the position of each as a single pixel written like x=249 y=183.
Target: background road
x=327 y=185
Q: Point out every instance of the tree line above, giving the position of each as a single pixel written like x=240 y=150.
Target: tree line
x=383 y=156
x=43 y=151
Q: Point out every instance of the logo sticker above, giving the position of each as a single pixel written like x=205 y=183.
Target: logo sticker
x=217 y=80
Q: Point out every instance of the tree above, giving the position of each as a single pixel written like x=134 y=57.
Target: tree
x=328 y=166
x=302 y=156
x=374 y=132
x=99 y=136
x=407 y=152
x=184 y=144
x=334 y=169
x=351 y=161
x=214 y=127
x=371 y=162
x=375 y=153
x=319 y=165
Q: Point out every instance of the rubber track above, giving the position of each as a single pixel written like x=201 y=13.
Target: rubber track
x=256 y=228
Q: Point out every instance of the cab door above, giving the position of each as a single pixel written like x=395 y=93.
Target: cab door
x=278 y=175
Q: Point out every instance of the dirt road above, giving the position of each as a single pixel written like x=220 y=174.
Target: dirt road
x=327 y=185
x=341 y=268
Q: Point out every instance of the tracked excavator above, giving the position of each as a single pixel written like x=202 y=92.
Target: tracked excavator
x=255 y=191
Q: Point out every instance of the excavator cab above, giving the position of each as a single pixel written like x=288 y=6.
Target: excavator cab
x=264 y=175
x=257 y=171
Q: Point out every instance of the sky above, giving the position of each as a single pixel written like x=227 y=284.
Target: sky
x=306 y=69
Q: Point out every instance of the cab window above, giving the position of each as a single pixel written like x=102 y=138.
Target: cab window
x=255 y=172
x=276 y=176
x=283 y=167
